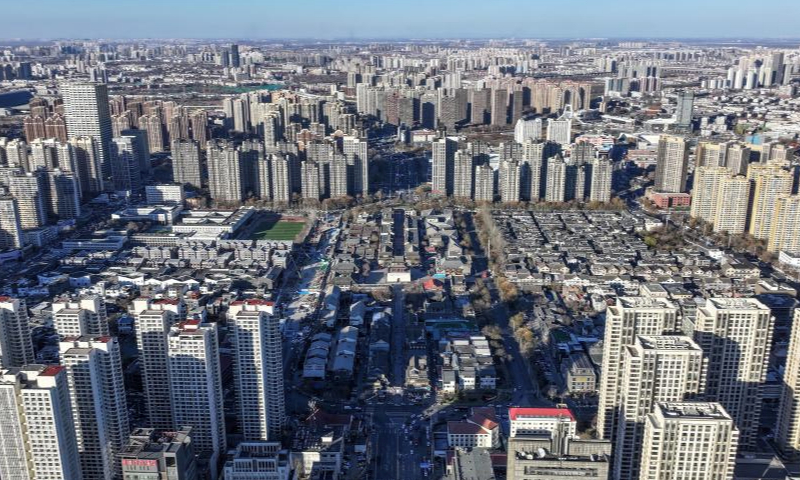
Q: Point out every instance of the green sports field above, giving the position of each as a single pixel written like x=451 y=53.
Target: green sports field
x=279 y=230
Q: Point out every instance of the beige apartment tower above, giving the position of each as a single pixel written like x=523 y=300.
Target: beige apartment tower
x=685 y=440
x=657 y=368
x=706 y=190
x=629 y=317
x=785 y=232
x=787 y=430
x=732 y=204
x=770 y=182
x=735 y=335
x=672 y=164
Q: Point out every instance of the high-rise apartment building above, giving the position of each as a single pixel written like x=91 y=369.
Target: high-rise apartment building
x=463 y=175
x=735 y=335
x=143 y=151
x=30 y=190
x=224 y=172
x=16 y=153
x=120 y=123
x=49 y=154
x=88 y=168
x=776 y=153
x=355 y=149
x=64 y=196
x=97 y=396
x=258 y=368
x=499 y=107
x=600 y=180
x=629 y=317
x=787 y=430
x=16 y=346
x=711 y=154
x=770 y=182
x=56 y=127
x=737 y=158
x=151 y=124
x=672 y=164
x=10 y=225
x=484 y=183
x=154 y=319
x=528 y=130
x=282 y=178
x=560 y=131
x=198 y=123
x=36 y=429
x=126 y=154
x=534 y=168
x=196 y=386
x=785 y=231
x=310 y=186
x=443 y=170
x=186 y=166
x=732 y=201
x=689 y=440
x=87 y=114
x=657 y=368
x=685 y=109
x=705 y=192
x=80 y=316
x=509 y=181
x=33 y=127
x=556 y=179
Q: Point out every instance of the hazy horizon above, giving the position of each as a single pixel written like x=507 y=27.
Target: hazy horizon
x=413 y=19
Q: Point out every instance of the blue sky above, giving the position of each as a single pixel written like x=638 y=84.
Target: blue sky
x=399 y=19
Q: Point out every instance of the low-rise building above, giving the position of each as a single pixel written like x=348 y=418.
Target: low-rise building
x=579 y=373
x=258 y=461
x=479 y=430
x=159 y=454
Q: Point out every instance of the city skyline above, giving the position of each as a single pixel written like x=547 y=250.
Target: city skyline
x=420 y=259
x=681 y=19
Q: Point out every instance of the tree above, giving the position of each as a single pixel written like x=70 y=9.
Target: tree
x=492 y=332
x=526 y=340
x=508 y=291
x=516 y=321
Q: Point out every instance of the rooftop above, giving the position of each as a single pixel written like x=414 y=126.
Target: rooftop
x=699 y=410
x=645 y=302
x=736 y=304
x=668 y=342
x=520 y=413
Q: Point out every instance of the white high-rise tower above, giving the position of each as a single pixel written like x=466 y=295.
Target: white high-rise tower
x=258 y=368
x=736 y=335
x=196 y=386
x=99 y=408
x=81 y=316
x=154 y=318
x=87 y=115
x=631 y=316
x=16 y=346
x=37 y=435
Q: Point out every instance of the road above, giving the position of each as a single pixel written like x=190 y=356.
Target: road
x=526 y=390
x=394 y=453
x=398 y=336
